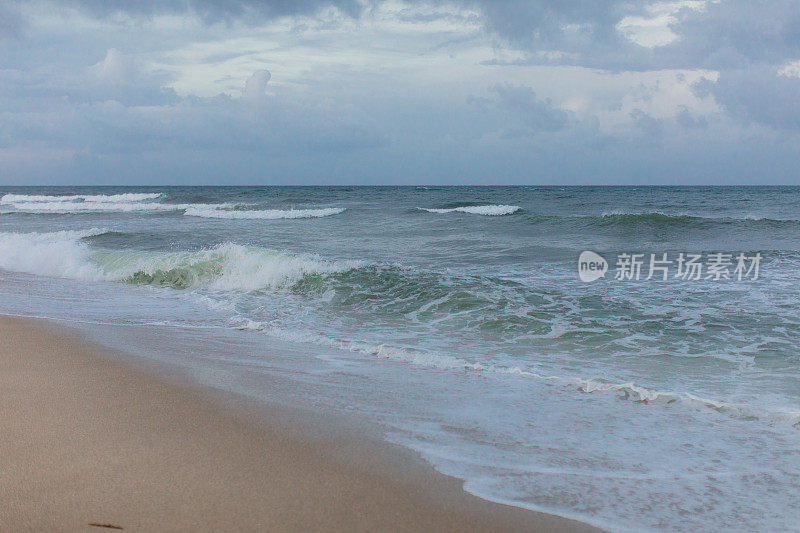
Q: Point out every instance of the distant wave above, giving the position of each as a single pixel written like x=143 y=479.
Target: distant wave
x=143 y=203
x=211 y=211
x=127 y=197
x=617 y=217
x=657 y=218
x=489 y=210
x=623 y=217
x=87 y=203
x=62 y=207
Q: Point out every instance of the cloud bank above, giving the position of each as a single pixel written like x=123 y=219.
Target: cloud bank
x=347 y=91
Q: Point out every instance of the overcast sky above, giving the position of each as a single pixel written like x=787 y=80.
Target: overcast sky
x=372 y=92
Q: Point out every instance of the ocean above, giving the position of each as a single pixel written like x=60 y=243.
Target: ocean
x=456 y=318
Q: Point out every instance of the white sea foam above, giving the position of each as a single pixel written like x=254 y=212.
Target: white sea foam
x=87 y=203
x=383 y=351
x=226 y=267
x=488 y=210
x=115 y=198
x=637 y=393
x=93 y=207
x=143 y=203
x=215 y=211
x=629 y=391
x=56 y=254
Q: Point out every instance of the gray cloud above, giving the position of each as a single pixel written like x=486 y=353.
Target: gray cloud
x=736 y=33
x=723 y=35
x=570 y=26
x=82 y=100
x=10 y=21
x=113 y=107
x=747 y=40
x=687 y=120
x=758 y=94
x=116 y=77
x=653 y=128
x=216 y=10
x=522 y=112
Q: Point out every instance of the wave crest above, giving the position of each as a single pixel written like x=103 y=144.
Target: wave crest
x=658 y=217
x=487 y=210
x=93 y=207
x=57 y=254
x=95 y=198
x=206 y=211
x=226 y=267
x=143 y=203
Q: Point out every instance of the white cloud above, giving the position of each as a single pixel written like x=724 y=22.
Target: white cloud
x=790 y=69
x=656 y=28
x=256 y=85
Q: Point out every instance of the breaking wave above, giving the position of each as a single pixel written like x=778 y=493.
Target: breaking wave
x=87 y=203
x=57 y=254
x=488 y=210
x=144 y=203
x=236 y=268
x=93 y=207
x=210 y=211
x=226 y=267
x=126 y=197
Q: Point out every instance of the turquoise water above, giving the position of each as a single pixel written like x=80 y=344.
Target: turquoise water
x=455 y=316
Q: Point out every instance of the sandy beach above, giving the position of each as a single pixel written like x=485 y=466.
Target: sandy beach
x=90 y=442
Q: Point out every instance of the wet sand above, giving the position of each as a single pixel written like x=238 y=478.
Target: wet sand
x=90 y=442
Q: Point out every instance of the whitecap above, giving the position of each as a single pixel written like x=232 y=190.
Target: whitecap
x=213 y=211
x=488 y=210
x=34 y=198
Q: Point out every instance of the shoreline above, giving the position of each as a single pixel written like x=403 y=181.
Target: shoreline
x=90 y=438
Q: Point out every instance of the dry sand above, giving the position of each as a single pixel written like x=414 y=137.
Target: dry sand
x=89 y=439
